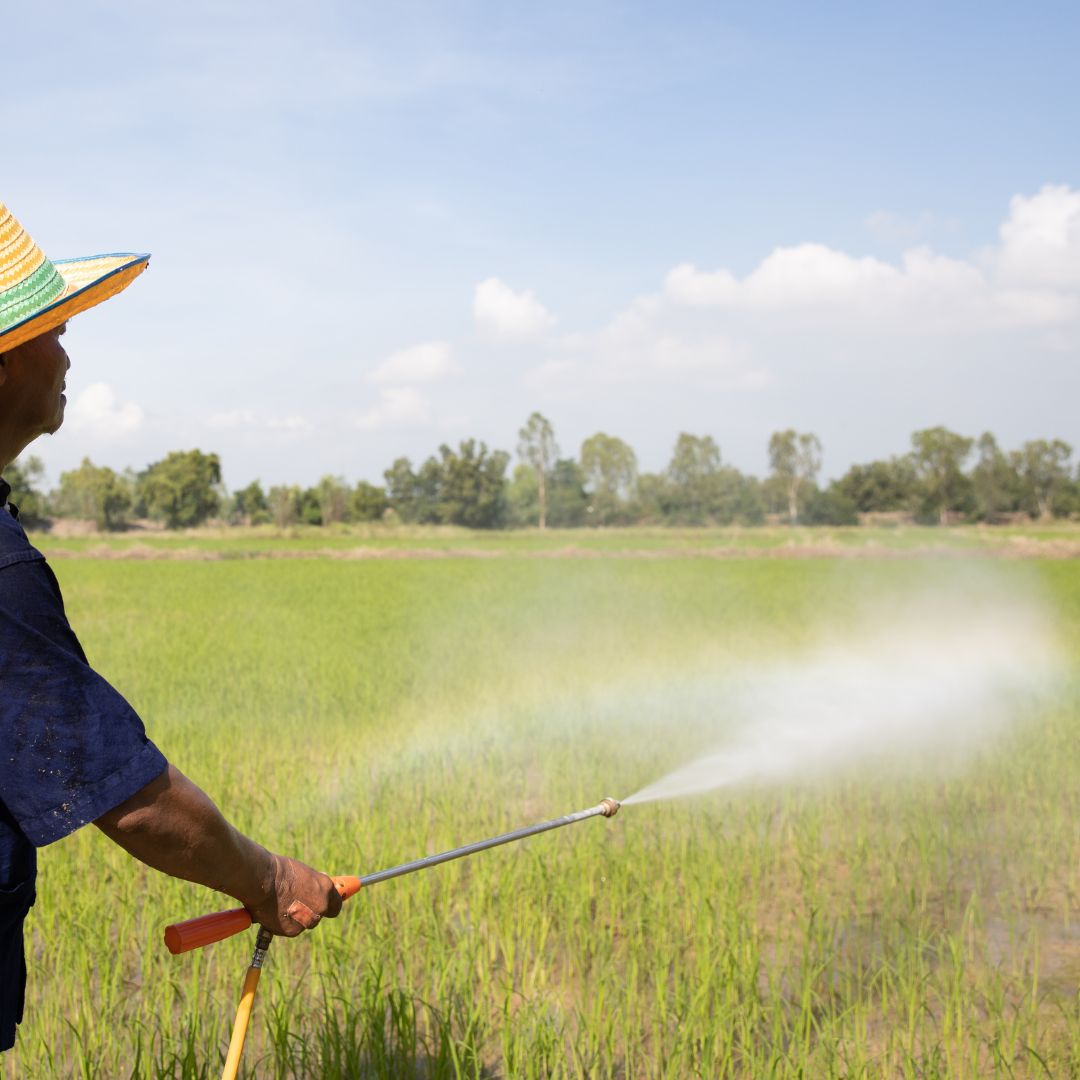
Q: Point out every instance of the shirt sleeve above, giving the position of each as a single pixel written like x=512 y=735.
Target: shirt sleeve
x=71 y=747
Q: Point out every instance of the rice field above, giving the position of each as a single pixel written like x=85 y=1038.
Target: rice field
x=923 y=922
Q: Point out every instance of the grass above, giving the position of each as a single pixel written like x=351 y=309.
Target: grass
x=357 y=714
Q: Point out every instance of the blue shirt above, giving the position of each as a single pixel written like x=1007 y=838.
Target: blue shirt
x=71 y=748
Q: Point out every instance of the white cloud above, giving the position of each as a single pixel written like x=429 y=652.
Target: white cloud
x=97 y=413
x=709 y=329
x=1030 y=280
x=398 y=407
x=504 y=315
x=430 y=362
x=244 y=418
x=1041 y=240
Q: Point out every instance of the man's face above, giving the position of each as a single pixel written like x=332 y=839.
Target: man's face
x=31 y=392
x=32 y=384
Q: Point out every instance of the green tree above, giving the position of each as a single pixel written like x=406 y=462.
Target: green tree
x=880 y=486
x=184 y=489
x=995 y=482
x=250 y=505
x=538 y=449
x=335 y=499
x=1043 y=468
x=693 y=472
x=829 y=507
x=311 y=507
x=26 y=478
x=286 y=505
x=609 y=468
x=939 y=455
x=795 y=460
x=471 y=488
x=566 y=498
x=462 y=487
x=369 y=502
x=406 y=494
x=523 y=497
x=94 y=493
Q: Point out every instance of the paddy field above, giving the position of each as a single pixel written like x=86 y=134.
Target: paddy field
x=354 y=712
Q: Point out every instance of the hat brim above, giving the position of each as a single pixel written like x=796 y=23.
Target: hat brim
x=87 y=282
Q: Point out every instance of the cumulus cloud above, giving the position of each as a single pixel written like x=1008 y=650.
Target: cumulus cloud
x=98 y=413
x=1029 y=281
x=430 y=362
x=504 y=315
x=710 y=329
x=398 y=407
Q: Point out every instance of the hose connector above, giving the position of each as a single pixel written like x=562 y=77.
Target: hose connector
x=611 y=807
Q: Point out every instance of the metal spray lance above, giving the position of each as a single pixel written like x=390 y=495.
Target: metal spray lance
x=205 y=930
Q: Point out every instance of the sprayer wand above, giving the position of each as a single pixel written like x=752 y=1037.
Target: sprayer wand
x=195 y=933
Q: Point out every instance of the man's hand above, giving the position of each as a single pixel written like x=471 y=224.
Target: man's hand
x=174 y=827
x=300 y=897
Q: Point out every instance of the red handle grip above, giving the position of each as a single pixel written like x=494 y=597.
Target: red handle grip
x=206 y=929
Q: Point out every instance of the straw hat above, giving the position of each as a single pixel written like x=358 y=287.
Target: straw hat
x=37 y=295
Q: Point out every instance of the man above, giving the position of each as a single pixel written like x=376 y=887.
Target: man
x=72 y=750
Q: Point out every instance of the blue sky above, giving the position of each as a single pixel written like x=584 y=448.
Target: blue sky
x=376 y=228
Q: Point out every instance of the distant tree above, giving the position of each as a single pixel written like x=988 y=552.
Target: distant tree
x=609 y=467
x=462 y=487
x=939 y=456
x=566 y=495
x=1044 y=469
x=402 y=491
x=523 y=497
x=538 y=449
x=369 y=502
x=286 y=505
x=795 y=460
x=335 y=498
x=311 y=506
x=93 y=493
x=471 y=487
x=183 y=489
x=995 y=481
x=693 y=471
x=880 y=486
x=250 y=505
x=829 y=507
x=26 y=477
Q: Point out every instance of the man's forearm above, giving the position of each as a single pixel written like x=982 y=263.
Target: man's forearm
x=174 y=826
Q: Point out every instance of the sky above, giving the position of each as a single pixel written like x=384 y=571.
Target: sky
x=378 y=228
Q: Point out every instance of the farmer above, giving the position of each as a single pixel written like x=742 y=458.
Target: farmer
x=72 y=750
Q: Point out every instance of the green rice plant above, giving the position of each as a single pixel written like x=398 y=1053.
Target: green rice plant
x=910 y=922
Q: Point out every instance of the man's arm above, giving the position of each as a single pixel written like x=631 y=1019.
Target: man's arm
x=174 y=827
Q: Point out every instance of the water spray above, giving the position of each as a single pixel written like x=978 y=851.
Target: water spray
x=195 y=933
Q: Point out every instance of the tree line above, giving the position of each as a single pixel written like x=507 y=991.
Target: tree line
x=943 y=477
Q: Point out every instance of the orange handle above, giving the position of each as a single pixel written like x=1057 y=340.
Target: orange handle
x=206 y=929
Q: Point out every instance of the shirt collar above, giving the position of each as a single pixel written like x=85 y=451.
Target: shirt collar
x=5 y=491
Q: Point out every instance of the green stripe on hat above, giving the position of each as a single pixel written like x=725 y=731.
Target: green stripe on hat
x=30 y=296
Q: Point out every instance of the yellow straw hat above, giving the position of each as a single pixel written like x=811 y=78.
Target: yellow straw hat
x=37 y=295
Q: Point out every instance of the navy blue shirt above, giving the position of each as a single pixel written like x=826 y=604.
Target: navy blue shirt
x=71 y=748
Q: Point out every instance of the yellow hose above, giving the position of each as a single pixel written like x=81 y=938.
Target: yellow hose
x=239 y=1031
x=247 y=1000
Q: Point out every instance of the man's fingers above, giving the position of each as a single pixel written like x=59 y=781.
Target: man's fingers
x=301 y=913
